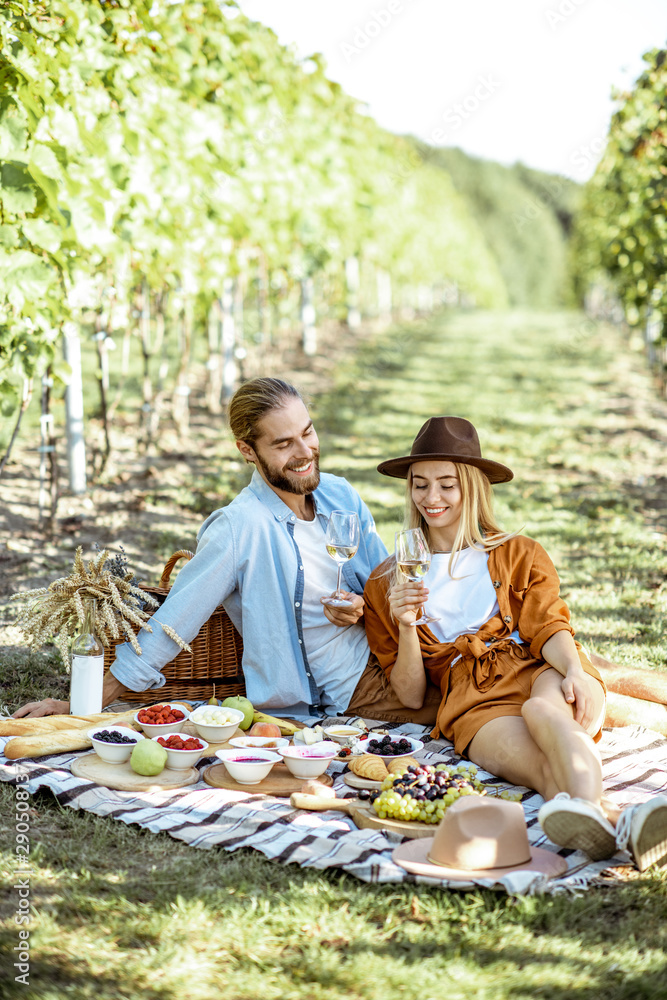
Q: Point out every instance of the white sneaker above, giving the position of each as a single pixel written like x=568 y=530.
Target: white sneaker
x=642 y=829
x=578 y=824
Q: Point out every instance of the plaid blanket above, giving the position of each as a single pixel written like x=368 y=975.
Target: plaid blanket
x=634 y=767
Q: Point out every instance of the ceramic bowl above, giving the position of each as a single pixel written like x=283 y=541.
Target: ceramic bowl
x=265 y=742
x=343 y=734
x=216 y=732
x=169 y=727
x=309 y=761
x=182 y=760
x=114 y=753
x=415 y=746
x=248 y=766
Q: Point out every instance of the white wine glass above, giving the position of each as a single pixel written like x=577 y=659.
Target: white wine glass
x=342 y=542
x=413 y=558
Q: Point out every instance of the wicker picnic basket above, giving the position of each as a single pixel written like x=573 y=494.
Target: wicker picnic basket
x=216 y=656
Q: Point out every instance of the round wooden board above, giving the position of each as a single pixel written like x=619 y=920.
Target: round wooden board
x=279 y=781
x=124 y=779
x=356 y=781
x=366 y=818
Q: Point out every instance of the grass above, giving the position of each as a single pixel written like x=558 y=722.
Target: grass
x=120 y=912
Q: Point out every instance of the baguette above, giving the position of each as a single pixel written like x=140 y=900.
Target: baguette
x=38 y=746
x=54 y=723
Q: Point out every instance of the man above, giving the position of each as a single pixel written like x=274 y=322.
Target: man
x=263 y=557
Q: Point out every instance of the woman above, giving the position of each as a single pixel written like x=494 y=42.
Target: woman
x=520 y=697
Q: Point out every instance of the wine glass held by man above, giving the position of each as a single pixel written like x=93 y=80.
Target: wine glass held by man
x=342 y=542
x=520 y=697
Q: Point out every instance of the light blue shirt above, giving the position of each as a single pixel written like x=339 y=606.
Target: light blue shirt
x=247 y=559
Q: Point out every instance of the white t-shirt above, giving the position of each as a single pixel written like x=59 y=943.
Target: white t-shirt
x=337 y=656
x=465 y=602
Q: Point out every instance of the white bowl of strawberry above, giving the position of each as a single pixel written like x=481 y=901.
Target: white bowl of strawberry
x=160 y=720
x=183 y=750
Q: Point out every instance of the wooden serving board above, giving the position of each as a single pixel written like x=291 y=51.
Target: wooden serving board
x=124 y=779
x=363 y=815
x=356 y=781
x=279 y=781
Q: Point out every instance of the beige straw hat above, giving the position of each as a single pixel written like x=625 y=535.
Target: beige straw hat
x=478 y=837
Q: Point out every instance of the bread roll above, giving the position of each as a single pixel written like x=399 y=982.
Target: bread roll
x=55 y=723
x=399 y=765
x=368 y=766
x=38 y=746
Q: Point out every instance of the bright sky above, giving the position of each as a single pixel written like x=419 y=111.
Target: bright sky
x=527 y=80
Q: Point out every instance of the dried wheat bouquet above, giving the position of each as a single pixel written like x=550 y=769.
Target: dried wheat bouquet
x=59 y=609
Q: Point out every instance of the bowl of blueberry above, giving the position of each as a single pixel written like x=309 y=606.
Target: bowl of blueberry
x=389 y=747
x=114 y=744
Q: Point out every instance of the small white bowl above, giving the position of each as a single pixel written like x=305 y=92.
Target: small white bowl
x=267 y=742
x=245 y=771
x=114 y=753
x=182 y=760
x=415 y=746
x=169 y=727
x=309 y=761
x=215 y=733
x=343 y=734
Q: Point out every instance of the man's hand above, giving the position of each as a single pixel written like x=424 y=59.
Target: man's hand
x=345 y=616
x=36 y=709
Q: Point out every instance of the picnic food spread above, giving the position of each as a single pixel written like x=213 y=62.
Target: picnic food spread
x=406 y=790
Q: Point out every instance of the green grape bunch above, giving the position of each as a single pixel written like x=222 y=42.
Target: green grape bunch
x=424 y=793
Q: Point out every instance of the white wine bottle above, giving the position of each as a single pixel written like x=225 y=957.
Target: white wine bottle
x=87 y=672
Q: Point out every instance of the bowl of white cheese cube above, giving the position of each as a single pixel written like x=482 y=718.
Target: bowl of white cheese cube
x=215 y=723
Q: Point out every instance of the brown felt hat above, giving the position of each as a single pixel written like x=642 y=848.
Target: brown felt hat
x=479 y=837
x=446 y=439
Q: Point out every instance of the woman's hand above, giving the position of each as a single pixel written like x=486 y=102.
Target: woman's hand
x=576 y=692
x=406 y=600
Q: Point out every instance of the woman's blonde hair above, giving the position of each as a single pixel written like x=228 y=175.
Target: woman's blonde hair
x=478 y=528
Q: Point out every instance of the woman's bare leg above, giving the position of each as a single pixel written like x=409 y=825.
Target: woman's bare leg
x=545 y=749
x=505 y=747
x=573 y=757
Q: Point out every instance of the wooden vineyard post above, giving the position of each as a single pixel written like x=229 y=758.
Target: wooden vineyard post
x=76 y=445
x=352 y=285
x=383 y=280
x=308 y=317
x=214 y=363
x=229 y=369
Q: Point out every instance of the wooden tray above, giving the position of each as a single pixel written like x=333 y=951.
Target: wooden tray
x=356 y=781
x=279 y=781
x=363 y=815
x=124 y=779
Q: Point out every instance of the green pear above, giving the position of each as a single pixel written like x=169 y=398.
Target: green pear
x=148 y=757
x=243 y=705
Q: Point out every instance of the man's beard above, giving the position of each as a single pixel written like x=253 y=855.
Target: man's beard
x=278 y=479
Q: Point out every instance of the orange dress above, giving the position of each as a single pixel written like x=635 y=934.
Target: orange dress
x=487 y=682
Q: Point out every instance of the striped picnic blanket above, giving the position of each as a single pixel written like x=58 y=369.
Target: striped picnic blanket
x=635 y=768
